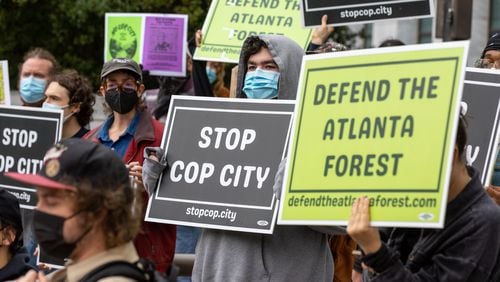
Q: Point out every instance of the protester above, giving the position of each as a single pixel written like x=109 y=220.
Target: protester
x=72 y=93
x=13 y=257
x=291 y=252
x=215 y=73
x=269 y=68
x=85 y=211
x=466 y=249
x=127 y=131
x=169 y=86
x=490 y=59
x=38 y=67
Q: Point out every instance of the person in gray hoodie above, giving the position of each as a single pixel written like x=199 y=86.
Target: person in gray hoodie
x=269 y=68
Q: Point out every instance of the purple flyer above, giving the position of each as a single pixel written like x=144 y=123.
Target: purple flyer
x=164 y=51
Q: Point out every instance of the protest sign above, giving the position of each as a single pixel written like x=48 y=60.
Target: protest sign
x=157 y=41
x=49 y=261
x=25 y=135
x=482 y=103
x=222 y=156
x=4 y=83
x=345 y=12
x=230 y=22
x=380 y=123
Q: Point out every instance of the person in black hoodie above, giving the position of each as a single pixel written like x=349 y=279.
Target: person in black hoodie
x=466 y=249
x=13 y=257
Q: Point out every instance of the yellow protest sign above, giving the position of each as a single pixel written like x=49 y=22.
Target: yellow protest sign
x=4 y=83
x=230 y=22
x=379 y=123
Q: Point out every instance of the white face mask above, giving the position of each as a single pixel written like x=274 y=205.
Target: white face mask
x=50 y=106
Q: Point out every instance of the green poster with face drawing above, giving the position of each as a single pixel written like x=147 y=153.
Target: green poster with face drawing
x=123 y=35
x=379 y=123
x=230 y=22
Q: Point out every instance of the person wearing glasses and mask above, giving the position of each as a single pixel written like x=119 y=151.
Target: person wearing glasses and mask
x=127 y=131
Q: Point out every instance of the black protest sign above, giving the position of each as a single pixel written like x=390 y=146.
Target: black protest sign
x=25 y=135
x=481 y=96
x=49 y=261
x=223 y=156
x=344 y=12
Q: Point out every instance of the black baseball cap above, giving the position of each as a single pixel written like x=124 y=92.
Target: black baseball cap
x=121 y=64
x=493 y=44
x=10 y=212
x=78 y=161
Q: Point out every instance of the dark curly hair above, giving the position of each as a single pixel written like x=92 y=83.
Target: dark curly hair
x=18 y=243
x=252 y=46
x=123 y=206
x=80 y=92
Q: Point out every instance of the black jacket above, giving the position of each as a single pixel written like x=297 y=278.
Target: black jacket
x=466 y=249
x=16 y=267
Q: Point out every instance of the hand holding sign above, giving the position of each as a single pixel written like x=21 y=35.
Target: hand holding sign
x=359 y=227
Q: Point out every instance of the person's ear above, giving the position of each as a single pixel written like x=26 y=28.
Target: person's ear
x=9 y=235
x=102 y=91
x=141 y=89
x=75 y=108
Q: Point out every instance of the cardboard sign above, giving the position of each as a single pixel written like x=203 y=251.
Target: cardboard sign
x=222 y=155
x=377 y=122
x=345 y=12
x=230 y=22
x=158 y=41
x=25 y=135
x=4 y=83
x=482 y=97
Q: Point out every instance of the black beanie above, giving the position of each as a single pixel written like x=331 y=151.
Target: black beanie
x=493 y=44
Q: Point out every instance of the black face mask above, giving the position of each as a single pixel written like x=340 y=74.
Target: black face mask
x=49 y=233
x=121 y=101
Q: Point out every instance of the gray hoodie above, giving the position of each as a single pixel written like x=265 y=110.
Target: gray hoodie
x=291 y=253
x=287 y=55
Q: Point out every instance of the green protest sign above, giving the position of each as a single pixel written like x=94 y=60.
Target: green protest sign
x=230 y=22
x=379 y=123
x=123 y=35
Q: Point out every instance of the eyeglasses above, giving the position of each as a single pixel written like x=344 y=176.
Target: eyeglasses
x=128 y=85
x=487 y=64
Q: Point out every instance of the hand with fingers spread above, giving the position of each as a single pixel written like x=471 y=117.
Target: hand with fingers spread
x=359 y=227
x=320 y=34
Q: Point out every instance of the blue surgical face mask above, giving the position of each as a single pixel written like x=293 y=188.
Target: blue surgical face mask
x=32 y=89
x=212 y=76
x=261 y=84
x=50 y=106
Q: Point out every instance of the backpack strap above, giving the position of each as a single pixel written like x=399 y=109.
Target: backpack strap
x=117 y=268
